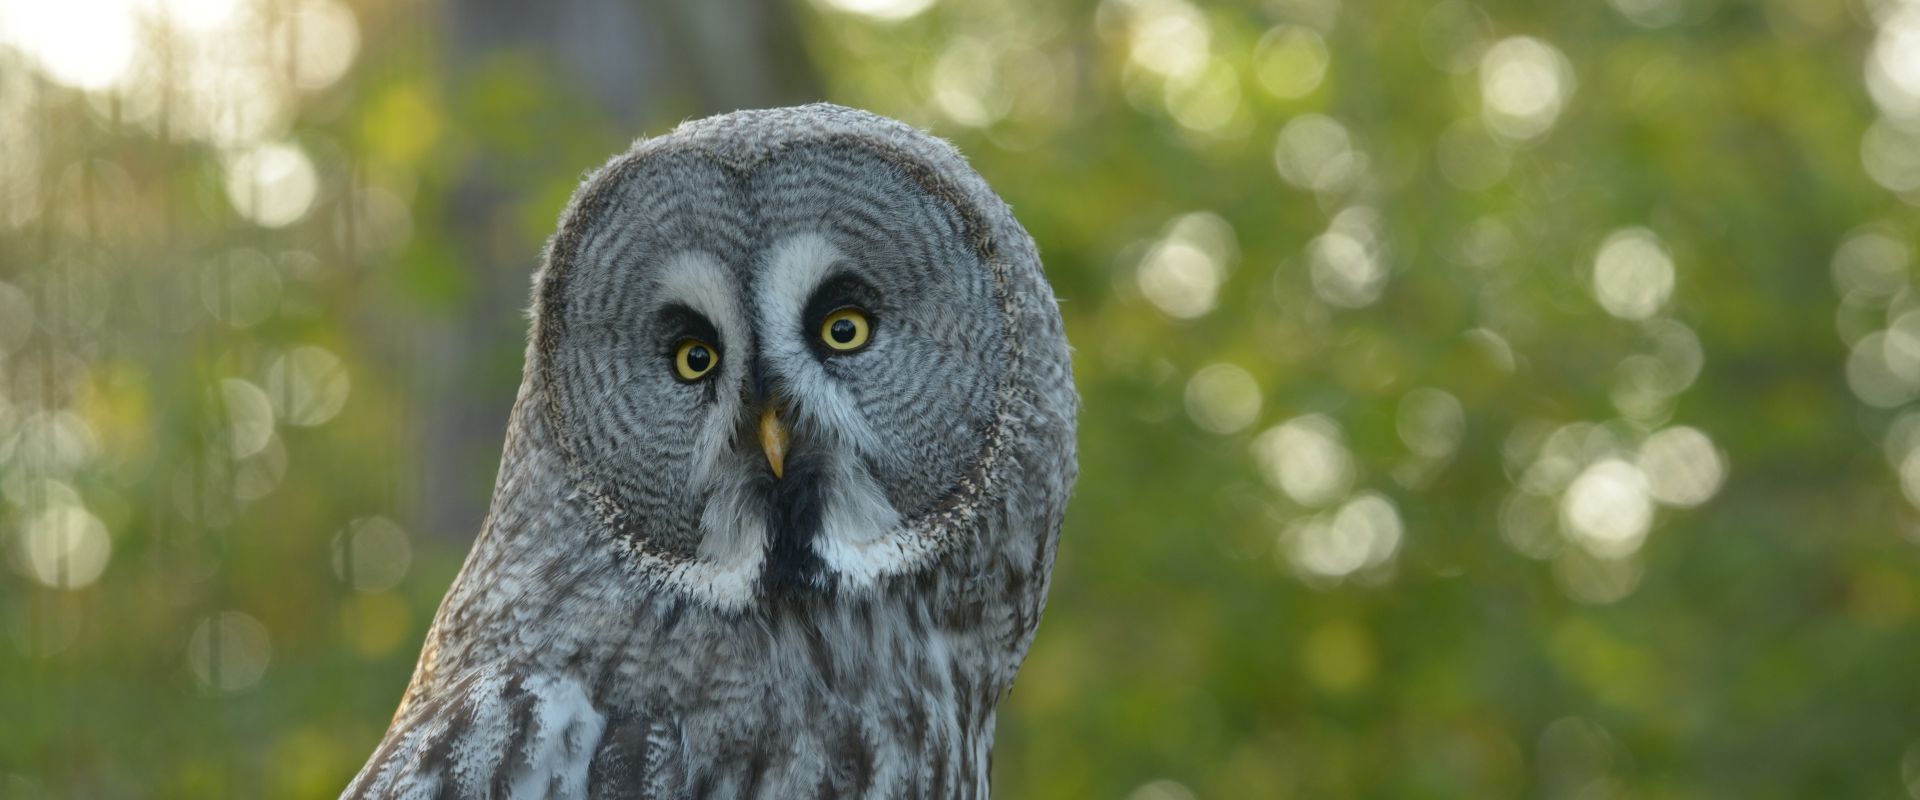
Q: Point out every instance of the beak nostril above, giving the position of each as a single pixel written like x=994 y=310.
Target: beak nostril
x=774 y=437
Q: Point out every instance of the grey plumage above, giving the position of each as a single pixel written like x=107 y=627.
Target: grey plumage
x=649 y=611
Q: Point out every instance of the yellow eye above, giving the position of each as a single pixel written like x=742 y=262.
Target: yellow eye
x=693 y=359
x=846 y=330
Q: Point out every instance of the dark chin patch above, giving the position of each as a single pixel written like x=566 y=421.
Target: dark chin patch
x=794 y=515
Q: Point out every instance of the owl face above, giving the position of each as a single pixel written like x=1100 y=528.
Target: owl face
x=766 y=372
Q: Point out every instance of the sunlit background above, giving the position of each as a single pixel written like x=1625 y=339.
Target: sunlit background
x=1508 y=399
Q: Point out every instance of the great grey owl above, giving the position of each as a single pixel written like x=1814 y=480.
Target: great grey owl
x=780 y=494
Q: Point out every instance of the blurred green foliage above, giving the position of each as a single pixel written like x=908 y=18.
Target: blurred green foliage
x=1481 y=400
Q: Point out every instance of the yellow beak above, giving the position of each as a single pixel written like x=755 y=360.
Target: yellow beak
x=773 y=439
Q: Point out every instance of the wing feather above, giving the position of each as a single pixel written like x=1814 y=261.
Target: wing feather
x=488 y=735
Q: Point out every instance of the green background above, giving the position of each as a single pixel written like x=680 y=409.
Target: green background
x=1496 y=400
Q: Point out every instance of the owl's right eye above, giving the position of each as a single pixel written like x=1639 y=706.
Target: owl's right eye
x=694 y=359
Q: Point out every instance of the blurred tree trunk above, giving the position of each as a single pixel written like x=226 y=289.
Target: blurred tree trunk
x=645 y=64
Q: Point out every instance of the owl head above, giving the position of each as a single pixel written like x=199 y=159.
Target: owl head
x=798 y=351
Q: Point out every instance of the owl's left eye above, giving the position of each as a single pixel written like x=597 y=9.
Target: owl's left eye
x=846 y=330
x=693 y=359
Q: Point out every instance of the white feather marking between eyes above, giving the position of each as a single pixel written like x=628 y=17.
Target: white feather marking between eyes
x=795 y=267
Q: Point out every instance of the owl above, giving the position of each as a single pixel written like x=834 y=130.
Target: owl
x=781 y=489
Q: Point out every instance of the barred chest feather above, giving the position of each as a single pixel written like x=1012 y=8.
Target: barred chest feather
x=883 y=716
x=835 y=700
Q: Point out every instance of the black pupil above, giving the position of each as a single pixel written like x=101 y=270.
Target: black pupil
x=843 y=330
x=699 y=358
